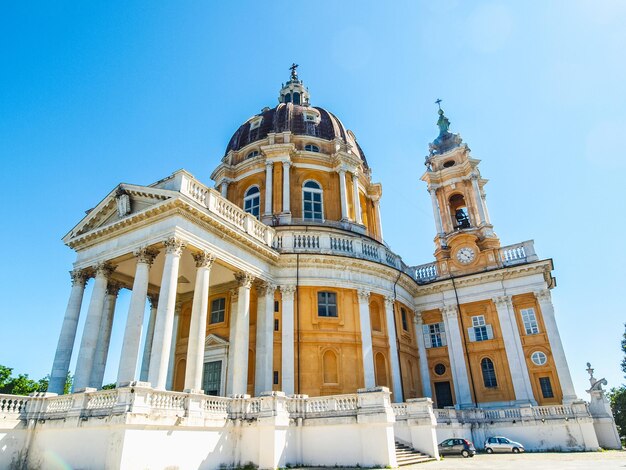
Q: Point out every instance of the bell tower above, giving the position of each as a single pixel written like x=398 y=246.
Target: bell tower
x=465 y=240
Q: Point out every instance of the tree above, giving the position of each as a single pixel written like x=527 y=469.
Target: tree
x=624 y=351
x=617 y=397
x=22 y=385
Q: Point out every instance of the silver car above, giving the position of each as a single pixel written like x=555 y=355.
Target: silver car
x=502 y=444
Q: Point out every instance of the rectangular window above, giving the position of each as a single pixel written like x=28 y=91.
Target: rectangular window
x=479 y=331
x=434 y=335
x=326 y=304
x=546 y=387
x=218 y=306
x=275 y=377
x=530 y=321
x=276 y=306
x=276 y=324
x=405 y=323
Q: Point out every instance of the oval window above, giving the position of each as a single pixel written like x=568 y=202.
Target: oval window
x=440 y=369
x=538 y=358
x=448 y=164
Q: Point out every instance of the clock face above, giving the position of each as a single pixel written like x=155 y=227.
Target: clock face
x=465 y=255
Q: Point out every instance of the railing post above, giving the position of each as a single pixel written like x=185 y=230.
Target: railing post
x=423 y=425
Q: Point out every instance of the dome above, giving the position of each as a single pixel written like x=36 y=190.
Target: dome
x=294 y=114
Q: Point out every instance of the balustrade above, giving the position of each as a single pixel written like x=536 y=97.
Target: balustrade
x=12 y=404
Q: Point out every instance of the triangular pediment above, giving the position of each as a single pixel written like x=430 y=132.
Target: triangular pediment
x=213 y=340
x=124 y=201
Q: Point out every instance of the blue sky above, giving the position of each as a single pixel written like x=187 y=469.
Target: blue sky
x=97 y=93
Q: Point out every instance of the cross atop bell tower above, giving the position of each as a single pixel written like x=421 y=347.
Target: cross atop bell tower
x=465 y=240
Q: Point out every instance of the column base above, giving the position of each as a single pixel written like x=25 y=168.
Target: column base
x=284 y=218
x=133 y=383
x=194 y=391
x=84 y=390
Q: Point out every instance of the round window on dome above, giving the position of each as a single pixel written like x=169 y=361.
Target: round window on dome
x=448 y=164
x=538 y=358
x=440 y=369
x=311 y=148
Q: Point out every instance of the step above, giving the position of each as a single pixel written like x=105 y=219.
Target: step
x=405 y=455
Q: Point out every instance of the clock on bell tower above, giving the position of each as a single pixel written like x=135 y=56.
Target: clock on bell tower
x=465 y=239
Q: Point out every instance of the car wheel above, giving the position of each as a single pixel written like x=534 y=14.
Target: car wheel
x=465 y=453
x=489 y=450
x=515 y=450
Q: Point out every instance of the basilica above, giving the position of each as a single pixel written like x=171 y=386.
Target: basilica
x=268 y=316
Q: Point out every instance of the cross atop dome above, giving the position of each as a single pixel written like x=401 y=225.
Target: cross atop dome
x=294 y=90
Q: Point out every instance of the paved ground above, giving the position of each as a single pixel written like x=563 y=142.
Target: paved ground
x=613 y=459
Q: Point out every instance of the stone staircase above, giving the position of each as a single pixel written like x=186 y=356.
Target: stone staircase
x=407 y=456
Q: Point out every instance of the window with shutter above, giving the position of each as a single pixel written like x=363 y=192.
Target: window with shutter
x=426 y=333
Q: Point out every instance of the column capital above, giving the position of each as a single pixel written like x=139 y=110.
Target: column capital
x=543 y=295
x=417 y=319
x=265 y=288
x=104 y=269
x=178 y=306
x=174 y=246
x=146 y=255
x=234 y=295
x=269 y=163
x=288 y=291
x=203 y=259
x=286 y=163
x=244 y=279
x=450 y=311
x=364 y=295
x=113 y=288
x=389 y=301
x=79 y=277
x=503 y=301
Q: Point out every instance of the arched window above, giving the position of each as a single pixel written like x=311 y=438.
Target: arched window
x=312 y=208
x=460 y=215
x=311 y=148
x=254 y=153
x=489 y=373
x=252 y=201
x=380 y=366
x=331 y=374
x=296 y=97
x=288 y=98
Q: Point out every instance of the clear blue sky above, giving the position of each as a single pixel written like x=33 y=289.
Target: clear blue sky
x=97 y=93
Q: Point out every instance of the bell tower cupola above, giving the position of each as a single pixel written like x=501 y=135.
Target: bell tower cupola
x=294 y=90
x=465 y=240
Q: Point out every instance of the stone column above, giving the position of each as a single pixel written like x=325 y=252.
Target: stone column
x=456 y=351
x=483 y=198
x=357 y=200
x=398 y=395
x=197 y=325
x=241 y=341
x=171 y=361
x=104 y=340
x=286 y=187
x=369 y=376
x=264 y=339
x=134 y=321
x=63 y=355
x=478 y=199
x=558 y=353
x=234 y=300
x=162 y=343
x=288 y=329
x=224 y=188
x=343 y=194
x=269 y=173
x=379 y=222
x=514 y=351
x=91 y=331
x=436 y=211
x=423 y=358
x=145 y=362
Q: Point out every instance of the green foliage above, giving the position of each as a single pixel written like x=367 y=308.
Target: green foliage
x=624 y=351
x=108 y=386
x=22 y=385
x=617 y=397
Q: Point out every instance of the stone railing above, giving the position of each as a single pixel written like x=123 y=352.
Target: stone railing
x=519 y=253
x=424 y=272
x=577 y=409
x=329 y=241
x=12 y=405
x=210 y=199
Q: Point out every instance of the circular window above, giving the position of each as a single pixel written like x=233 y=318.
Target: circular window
x=538 y=358
x=448 y=164
x=440 y=369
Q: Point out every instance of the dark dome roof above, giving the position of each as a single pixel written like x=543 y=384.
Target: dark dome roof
x=290 y=117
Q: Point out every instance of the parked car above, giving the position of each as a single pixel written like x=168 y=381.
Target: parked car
x=456 y=446
x=502 y=444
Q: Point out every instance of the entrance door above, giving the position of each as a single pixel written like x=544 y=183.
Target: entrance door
x=443 y=394
x=212 y=377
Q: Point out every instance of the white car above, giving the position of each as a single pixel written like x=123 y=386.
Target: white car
x=502 y=444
